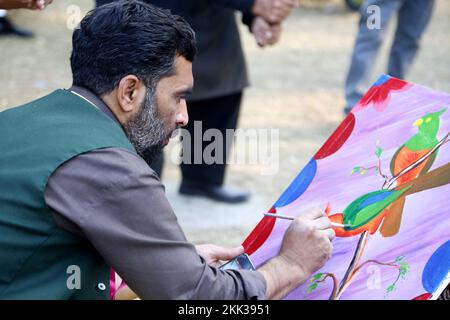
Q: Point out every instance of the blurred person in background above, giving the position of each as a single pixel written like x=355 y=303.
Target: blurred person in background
x=220 y=78
x=6 y=27
x=413 y=17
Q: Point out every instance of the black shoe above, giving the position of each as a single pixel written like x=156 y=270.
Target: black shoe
x=7 y=28
x=216 y=193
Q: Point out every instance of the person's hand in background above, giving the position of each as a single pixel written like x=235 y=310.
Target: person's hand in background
x=264 y=33
x=24 y=4
x=274 y=11
x=41 y=4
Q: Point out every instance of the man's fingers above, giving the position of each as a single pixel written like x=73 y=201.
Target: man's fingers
x=314 y=214
x=322 y=223
x=222 y=253
x=329 y=233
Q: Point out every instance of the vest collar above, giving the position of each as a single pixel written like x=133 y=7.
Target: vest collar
x=90 y=97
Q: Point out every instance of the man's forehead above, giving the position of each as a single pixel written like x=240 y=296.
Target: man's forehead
x=183 y=72
x=181 y=80
x=182 y=65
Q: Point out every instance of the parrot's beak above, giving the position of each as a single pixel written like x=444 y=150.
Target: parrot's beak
x=418 y=122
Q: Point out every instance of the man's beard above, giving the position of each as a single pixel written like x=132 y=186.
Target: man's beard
x=146 y=130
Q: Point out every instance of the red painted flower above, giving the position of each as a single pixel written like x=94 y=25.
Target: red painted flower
x=379 y=94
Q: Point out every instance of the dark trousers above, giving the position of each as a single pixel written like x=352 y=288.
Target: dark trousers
x=218 y=113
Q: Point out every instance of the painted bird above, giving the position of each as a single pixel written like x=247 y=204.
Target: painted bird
x=414 y=149
x=365 y=213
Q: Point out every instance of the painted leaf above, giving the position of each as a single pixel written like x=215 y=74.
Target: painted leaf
x=355 y=170
x=318 y=276
x=378 y=152
x=390 y=288
x=312 y=287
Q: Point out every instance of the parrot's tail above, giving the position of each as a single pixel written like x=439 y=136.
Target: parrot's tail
x=393 y=219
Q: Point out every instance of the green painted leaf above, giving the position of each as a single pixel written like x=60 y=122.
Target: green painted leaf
x=364 y=172
x=355 y=170
x=318 y=276
x=378 y=151
x=404 y=268
x=312 y=287
x=399 y=258
x=390 y=288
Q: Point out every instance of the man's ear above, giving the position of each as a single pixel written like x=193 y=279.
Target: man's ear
x=130 y=94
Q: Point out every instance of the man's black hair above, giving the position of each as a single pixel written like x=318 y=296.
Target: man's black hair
x=128 y=37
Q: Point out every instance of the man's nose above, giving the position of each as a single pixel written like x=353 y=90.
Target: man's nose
x=182 y=115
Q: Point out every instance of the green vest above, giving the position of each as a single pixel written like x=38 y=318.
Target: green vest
x=37 y=258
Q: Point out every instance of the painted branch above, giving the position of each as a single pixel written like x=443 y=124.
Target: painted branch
x=416 y=163
x=385 y=177
x=432 y=179
x=390 y=264
x=353 y=264
x=335 y=284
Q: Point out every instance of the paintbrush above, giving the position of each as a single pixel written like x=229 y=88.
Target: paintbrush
x=333 y=224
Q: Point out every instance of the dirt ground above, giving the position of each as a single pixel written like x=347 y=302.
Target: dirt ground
x=297 y=88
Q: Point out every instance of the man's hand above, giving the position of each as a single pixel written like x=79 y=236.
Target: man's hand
x=214 y=254
x=264 y=33
x=305 y=249
x=307 y=242
x=274 y=11
x=24 y=4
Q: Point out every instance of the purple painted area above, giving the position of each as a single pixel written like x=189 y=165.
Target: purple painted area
x=426 y=216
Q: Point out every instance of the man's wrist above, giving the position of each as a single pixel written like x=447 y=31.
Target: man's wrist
x=282 y=276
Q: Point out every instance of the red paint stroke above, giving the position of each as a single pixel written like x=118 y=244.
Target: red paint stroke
x=379 y=96
x=260 y=234
x=338 y=138
x=424 y=296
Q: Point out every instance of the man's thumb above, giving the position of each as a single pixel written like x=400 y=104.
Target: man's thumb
x=230 y=253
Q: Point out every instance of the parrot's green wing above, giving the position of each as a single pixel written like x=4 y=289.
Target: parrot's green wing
x=368 y=206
